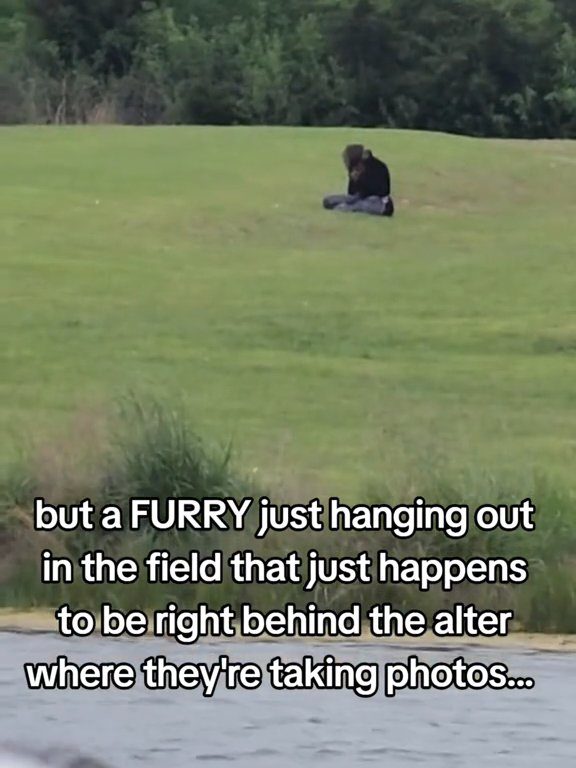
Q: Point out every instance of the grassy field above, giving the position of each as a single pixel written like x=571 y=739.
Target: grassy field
x=198 y=263
x=339 y=353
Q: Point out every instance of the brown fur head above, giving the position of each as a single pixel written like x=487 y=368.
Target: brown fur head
x=353 y=156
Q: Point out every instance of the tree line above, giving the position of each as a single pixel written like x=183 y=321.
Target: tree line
x=480 y=67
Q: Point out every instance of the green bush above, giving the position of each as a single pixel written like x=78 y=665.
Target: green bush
x=481 y=67
x=149 y=450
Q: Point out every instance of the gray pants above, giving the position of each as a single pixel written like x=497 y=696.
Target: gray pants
x=354 y=204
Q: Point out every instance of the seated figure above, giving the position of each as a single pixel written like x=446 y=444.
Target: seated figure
x=368 y=185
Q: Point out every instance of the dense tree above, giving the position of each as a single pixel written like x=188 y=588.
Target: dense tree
x=567 y=10
x=99 y=33
x=483 y=67
x=487 y=76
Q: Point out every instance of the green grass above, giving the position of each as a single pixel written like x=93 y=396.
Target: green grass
x=337 y=353
x=147 y=449
x=198 y=262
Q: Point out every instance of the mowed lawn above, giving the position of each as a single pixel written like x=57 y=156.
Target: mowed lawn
x=197 y=264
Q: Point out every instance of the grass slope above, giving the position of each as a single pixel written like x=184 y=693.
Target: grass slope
x=198 y=261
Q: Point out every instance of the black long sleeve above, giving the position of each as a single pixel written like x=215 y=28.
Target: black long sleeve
x=374 y=180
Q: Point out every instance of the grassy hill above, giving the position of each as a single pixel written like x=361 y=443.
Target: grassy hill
x=198 y=263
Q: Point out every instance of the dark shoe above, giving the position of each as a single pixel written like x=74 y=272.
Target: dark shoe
x=388 y=207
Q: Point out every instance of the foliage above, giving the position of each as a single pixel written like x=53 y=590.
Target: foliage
x=481 y=67
x=154 y=454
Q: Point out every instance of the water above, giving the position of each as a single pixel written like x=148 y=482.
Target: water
x=156 y=729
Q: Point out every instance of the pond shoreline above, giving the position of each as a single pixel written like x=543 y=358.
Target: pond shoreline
x=43 y=622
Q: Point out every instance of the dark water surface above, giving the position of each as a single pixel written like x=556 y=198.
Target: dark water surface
x=156 y=729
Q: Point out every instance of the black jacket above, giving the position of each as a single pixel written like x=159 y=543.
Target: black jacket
x=373 y=181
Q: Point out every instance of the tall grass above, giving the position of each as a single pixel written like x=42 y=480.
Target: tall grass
x=547 y=601
x=141 y=449
x=145 y=449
